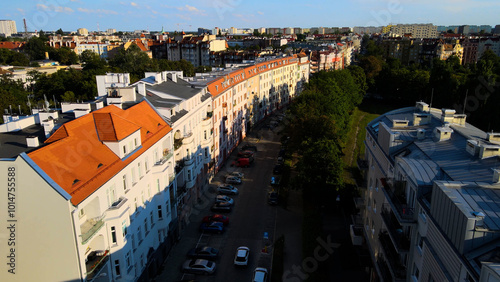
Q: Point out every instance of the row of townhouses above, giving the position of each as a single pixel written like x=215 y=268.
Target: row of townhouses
x=100 y=191
x=431 y=207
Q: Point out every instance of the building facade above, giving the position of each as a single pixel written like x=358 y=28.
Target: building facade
x=430 y=203
x=8 y=27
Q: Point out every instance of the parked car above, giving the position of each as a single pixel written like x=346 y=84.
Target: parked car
x=275 y=181
x=217 y=218
x=245 y=154
x=248 y=146
x=199 y=266
x=260 y=274
x=203 y=253
x=212 y=227
x=237 y=174
x=221 y=207
x=233 y=180
x=241 y=257
x=243 y=162
x=224 y=198
x=272 y=198
x=226 y=189
x=278 y=169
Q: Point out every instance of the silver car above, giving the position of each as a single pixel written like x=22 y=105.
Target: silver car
x=226 y=189
x=199 y=266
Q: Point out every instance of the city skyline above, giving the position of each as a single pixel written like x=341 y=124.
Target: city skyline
x=190 y=15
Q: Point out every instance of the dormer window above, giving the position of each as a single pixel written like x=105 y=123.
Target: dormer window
x=124 y=149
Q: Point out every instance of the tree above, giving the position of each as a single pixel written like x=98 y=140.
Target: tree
x=68 y=96
x=63 y=55
x=8 y=57
x=91 y=61
x=133 y=61
x=36 y=48
x=60 y=31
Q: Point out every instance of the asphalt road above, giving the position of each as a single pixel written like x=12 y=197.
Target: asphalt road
x=249 y=219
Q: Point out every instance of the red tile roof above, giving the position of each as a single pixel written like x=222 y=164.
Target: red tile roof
x=80 y=163
x=11 y=45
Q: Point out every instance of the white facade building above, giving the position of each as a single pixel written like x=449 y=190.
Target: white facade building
x=7 y=27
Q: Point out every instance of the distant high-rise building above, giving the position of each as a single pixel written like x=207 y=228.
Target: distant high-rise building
x=83 y=31
x=416 y=30
x=7 y=27
x=110 y=31
x=497 y=29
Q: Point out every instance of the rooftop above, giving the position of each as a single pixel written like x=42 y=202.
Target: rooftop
x=427 y=157
x=79 y=162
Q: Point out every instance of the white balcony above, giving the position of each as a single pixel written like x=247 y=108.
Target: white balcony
x=162 y=164
x=117 y=208
x=90 y=227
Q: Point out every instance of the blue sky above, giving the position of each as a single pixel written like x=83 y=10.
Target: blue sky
x=191 y=14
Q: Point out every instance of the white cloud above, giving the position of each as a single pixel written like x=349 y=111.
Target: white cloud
x=52 y=8
x=184 y=17
x=189 y=9
x=133 y=4
x=260 y=13
x=21 y=11
x=98 y=11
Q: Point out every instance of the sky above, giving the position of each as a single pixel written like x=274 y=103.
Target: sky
x=189 y=15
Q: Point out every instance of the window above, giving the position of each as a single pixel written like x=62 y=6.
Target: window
x=142 y=261
x=158 y=184
x=135 y=203
x=160 y=215
x=135 y=142
x=139 y=235
x=81 y=213
x=113 y=234
x=117 y=268
x=146 y=230
x=124 y=149
x=168 y=208
x=125 y=182
x=151 y=218
x=139 y=169
x=128 y=261
x=142 y=197
x=133 y=176
x=416 y=272
x=124 y=228
x=146 y=164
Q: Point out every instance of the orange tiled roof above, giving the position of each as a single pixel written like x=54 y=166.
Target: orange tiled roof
x=234 y=77
x=80 y=163
x=111 y=127
x=11 y=45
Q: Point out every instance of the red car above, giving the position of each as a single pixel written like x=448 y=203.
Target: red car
x=217 y=218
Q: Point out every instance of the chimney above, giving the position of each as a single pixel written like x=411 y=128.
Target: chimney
x=398 y=123
x=420 y=134
x=472 y=147
x=496 y=176
x=421 y=119
x=174 y=77
x=46 y=55
x=141 y=88
x=493 y=137
x=443 y=133
x=32 y=141
x=447 y=115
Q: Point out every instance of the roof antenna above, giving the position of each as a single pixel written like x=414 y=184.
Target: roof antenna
x=432 y=96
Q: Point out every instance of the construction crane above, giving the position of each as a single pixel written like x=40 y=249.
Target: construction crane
x=25 y=29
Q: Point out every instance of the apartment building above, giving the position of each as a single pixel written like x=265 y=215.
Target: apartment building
x=416 y=30
x=195 y=49
x=446 y=50
x=430 y=208
x=93 y=202
x=470 y=51
x=102 y=192
x=8 y=27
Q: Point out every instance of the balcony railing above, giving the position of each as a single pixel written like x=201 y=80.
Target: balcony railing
x=395 y=194
x=96 y=260
x=397 y=269
x=400 y=240
x=90 y=227
x=164 y=159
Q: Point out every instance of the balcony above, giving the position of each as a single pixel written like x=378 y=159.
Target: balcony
x=188 y=138
x=161 y=165
x=95 y=261
x=90 y=227
x=356 y=233
x=396 y=268
x=400 y=240
x=177 y=143
x=395 y=193
x=117 y=208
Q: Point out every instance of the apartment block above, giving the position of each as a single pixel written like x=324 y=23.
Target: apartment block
x=90 y=202
x=7 y=27
x=430 y=208
x=416 y=30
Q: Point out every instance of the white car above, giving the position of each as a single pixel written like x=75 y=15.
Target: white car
x=237 y=174
x=199 y=266
x=241 y=257
x=233 y=180
x=224 y=198
x=260 y=274
x=227 y=189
